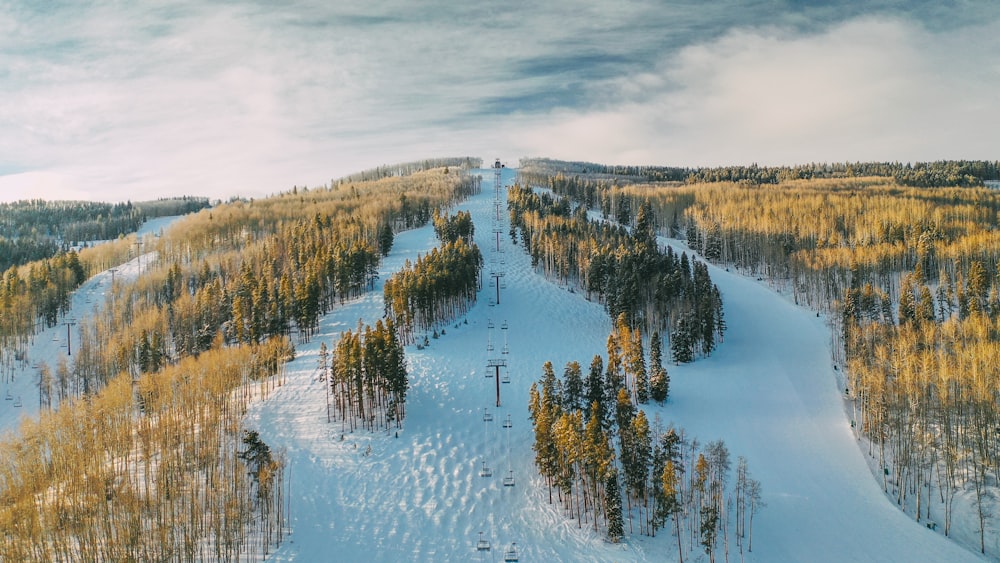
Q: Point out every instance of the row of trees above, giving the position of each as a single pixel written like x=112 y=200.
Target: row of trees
x=37 y=229
x=451 y=228
x=367 y=377
x=410 y=168
x=439 y=287
x=34 y=296
x=594 y=446
x=152 y=469
x=942 y=173
x=625 y=268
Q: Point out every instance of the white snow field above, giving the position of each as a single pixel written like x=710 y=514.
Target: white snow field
x=769 y=392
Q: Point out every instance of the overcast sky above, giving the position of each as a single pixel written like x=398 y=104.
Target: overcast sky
x=136 y=100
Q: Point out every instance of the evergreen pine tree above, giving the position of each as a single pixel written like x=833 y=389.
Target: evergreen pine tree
x=659 y=380
x=573 y=394
x=595 y=388
x=385 y=239
x=682 y=340
x=613 y=507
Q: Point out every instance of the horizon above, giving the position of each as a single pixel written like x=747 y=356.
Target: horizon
x=131 y=104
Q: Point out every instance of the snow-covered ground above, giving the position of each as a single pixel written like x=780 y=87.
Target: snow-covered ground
x=769 y=392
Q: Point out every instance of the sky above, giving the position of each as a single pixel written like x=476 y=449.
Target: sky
x=118 y=101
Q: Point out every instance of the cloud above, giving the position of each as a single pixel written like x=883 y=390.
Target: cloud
x=868 y=89
x=147 y=99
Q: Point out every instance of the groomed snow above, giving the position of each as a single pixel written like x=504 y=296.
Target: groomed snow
x=769 y=392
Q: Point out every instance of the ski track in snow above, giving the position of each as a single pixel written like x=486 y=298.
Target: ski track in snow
x=768 y=391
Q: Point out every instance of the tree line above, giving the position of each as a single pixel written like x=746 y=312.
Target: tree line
x=595 y=446
x=941 y=173
x=36 y=229
x=441 y=285
x=408 y=168
x=623 y=267
x=367 y=377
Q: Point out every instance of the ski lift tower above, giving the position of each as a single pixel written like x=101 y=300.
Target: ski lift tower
x=496 y=364
x=497 y=168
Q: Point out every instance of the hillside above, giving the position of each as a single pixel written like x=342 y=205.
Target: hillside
x=769 y=392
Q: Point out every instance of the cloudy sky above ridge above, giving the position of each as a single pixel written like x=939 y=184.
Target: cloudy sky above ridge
x=137 y=100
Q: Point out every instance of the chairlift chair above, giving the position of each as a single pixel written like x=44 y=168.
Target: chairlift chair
x=483 y=544
x=17 y=401
x=508 y=481
x=507 y=423
x=506 y=376
x=510 y=555
x=487 y=415
x=485 y=471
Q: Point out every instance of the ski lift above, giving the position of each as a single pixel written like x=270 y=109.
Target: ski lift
x=489 y=346
x=483 y=544
x=9 y=397
x=507 y=423
x=510 y=555
x=487 y=415
x=506 y=375
x=489 y=323
x=503 y=326
x=17 y=401
x=493 y=302
x=489 y=374
x=485 y=471
x=508 y=481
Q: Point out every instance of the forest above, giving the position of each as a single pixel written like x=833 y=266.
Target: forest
x=623 y=266
x=910 y=276
x=176 y=354
x=35 y=229
x=942 y=173
x=593 y=445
